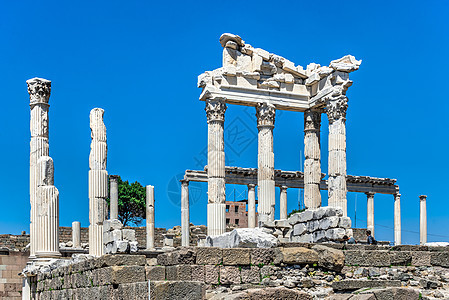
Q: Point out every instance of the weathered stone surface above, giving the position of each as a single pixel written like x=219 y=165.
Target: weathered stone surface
x=351 y=284
x=155 y=273
x=229 y=275
x=330 y=258
x=367 y=258
x=345 y=222
x=135 y=290
x=243 y=238
x=397 y=294
x=212 y=274
x=280 y=293
x=129 y=235
x=121 y=260
x=166 y=290
x=198 y=273
x=262 y=256
x=299 y=229
x=299 y=255
x=209 y=256
x=440 y=259
x=400 y=258
x=421 y=258
x=236 y=256
x=250 y=274
x=119 y=274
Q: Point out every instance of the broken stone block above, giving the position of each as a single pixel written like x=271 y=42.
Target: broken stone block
x=129 y=235
x=299 y=229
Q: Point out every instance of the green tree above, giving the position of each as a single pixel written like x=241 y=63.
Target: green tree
x=131 y=202
x=295 y=211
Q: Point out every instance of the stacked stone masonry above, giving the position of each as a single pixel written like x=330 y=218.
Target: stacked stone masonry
x=11 y=264
x=300 y=270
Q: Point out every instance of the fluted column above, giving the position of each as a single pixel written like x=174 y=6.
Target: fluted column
x=336 y=113
x=252 y=206
x=98 y=182
x=47 y=222
x=265 y=113
x=422 y=219
x=39 y=90
x=150 y=216
x=370 y=212
x=113 y=197
x=397 y=219
x=216 y=188
x=283 y=203
x=185 y=214
x=312 y=162
x=76 y=234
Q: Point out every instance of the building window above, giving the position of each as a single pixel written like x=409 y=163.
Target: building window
x=236 y=209
x=237 y=221
x=227 y=208
x=227 y=221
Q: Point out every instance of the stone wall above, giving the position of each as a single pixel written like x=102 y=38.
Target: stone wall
x=11 y=264
x=293 y=271
x=9 y=241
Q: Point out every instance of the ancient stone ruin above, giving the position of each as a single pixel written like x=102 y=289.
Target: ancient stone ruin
x=298 y=256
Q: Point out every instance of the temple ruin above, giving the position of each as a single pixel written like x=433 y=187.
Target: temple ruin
x=302 y=256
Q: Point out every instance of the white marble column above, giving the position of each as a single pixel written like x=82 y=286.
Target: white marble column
x=76 y=234
x=47 y=222
x=252 y=206
x=283 y=203
x=113 y=197
x=39 y=90
x=98 y=182
x=422 y=219
x=397 y=219
x=370 y=212
x=265 y=173
x=312 y=162
x=336 y=113
x=150 y=216
x=185 y=214
x=216 y=185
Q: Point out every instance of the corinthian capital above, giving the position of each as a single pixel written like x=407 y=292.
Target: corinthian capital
x=39 y=90
x=215 y=110
x=336 y=108
x=265 y=114
x=312 y=119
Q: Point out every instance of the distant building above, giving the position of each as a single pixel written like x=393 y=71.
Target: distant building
x=237 y=213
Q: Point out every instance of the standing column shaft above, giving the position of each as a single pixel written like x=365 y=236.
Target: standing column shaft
x=185 y=214
x=113 y=197
x=283 y=203
x=150 y=216
x=370 y=212
x=39 y=90
x=336 y=112
x=265 y=173
x=312 y=162
x=397 y=219
x=216 y=185
x=47 y=222
x=76 y=234
x=252 y=206
x=98 y=182
x=423 y=219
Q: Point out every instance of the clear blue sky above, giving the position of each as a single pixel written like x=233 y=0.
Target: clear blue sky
x=140 y=61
